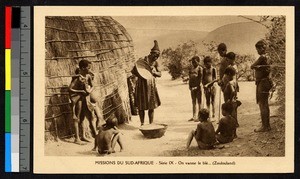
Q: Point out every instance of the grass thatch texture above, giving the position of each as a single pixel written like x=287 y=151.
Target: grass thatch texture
x=105 y=43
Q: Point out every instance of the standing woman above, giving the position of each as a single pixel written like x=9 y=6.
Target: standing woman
x=263 y=85
x=146 y=95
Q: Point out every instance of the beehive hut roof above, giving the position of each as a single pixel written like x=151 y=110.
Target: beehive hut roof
x=100 y=40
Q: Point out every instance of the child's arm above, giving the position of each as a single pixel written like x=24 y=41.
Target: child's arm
x=214 y=73
x=198 y=132
x=91 y=83
x=233 y=93
x=72 y=85
x=200 y=74
x=219 y=126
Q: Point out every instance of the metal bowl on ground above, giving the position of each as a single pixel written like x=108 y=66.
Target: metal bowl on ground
x=153 y=130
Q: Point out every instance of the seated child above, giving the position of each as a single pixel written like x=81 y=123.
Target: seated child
x=205 y=132
x=107 y=137
x=227 y=125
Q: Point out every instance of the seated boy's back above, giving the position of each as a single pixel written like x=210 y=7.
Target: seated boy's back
x=226 y=128
x=205 y=133
x=104 y=139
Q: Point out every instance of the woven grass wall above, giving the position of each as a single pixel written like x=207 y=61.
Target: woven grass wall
x=102 y=41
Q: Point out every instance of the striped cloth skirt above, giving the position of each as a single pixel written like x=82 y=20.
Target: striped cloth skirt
x=146 y=95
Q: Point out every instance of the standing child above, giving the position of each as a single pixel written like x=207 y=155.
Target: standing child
x=230 y=92
x=107 y=137
x=205 y=132
x=231 y=61
x=92 y=96
x=195 y=78
x=226 y=129
x=209 y=76
x=80 y=88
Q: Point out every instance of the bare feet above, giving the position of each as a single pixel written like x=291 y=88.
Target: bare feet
x=85 y=139
x=192 y=119
x=262 y=129
x=79 y=142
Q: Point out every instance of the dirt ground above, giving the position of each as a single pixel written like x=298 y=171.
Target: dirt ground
x=175 y=111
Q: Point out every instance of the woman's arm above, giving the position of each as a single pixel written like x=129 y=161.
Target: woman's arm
x=72 y=85
x=155 y=70
x=258 y=62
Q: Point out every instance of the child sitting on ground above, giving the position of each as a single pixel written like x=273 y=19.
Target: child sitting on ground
x=107 y=137
x=227 y=125
x=205 y=132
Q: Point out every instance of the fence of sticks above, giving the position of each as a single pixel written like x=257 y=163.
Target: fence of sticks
x=107 y=45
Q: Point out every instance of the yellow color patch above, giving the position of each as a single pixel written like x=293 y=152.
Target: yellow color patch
x=7 y=69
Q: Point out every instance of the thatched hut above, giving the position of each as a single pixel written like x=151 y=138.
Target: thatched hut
x=104 y=42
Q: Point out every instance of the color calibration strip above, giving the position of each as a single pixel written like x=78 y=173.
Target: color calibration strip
x=17 y=89
x=8 y=160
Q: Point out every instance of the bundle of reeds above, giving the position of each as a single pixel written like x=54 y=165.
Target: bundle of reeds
x=100 y=40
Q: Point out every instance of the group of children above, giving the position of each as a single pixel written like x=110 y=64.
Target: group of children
x=205 y=134
x=84 y=103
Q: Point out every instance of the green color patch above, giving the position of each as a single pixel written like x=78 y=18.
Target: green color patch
x=7 y=111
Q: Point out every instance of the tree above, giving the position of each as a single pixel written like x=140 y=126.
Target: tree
x=275 y=39
x=276 y=52
x=177 y=60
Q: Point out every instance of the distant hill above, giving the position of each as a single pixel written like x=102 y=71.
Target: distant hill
x=239 y=37
x=143 y=38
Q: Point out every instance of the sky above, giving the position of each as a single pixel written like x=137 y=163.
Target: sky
x=197 y=23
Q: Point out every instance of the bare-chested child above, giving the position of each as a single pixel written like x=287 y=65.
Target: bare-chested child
x=195 y=78
x=107 y=137
x=226 y=129
x=209 y=76
x=80 y=89
x=93 y=98
x=205 y=132
x=231 y=62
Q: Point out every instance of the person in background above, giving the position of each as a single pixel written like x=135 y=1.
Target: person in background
x=222 y=50
x=231 y=62
x=263 y=85
x=209 y=76
x=195 y=79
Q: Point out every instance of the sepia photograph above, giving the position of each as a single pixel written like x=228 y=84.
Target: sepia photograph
x=154 y=89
